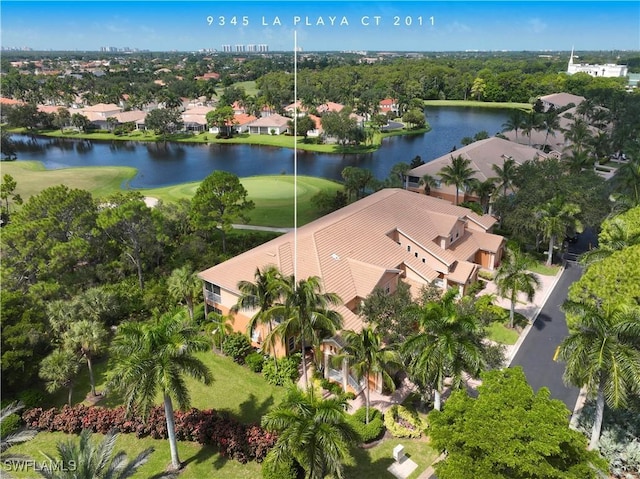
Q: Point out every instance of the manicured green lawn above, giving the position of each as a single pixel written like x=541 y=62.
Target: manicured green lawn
x=541 y=268
x=272 y=195
x=201 y=461
x=373 y=462
x=499 y=333
x=32 y=177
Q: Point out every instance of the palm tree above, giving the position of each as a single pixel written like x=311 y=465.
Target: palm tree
x=602 y=355
x=94 y=460
x=429 y=182
x=261 y=295
x=14 y=437
x=531 y=122
x=579 y=135
x=306 y=315
x=513 y=278
x=514 y=122
x=367 y=355
x=458 y=173
x=87 y=337
x=550 y=124
x=311 y=430
x=621 y=235
x=219 y=326
x=184 y=285
x=506 y=174
x=484 y=190
x=554 y=218
x=59 y=370
x=627 y=179
x=152 y=358
x=448 y=343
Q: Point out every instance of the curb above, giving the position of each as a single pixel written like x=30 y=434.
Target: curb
x=526 y=330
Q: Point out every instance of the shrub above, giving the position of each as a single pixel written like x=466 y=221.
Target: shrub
x=31 y=398
x=288 y=468
x=401 y=422
x=234 y=440
x=484 y=274
x=255 y=361
x=367 y=432
x=287 y=370
x=331 y=386
x=237 y=346
x=10 y=424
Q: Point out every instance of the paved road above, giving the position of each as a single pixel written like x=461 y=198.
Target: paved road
x=550 y=328
x=539 y=347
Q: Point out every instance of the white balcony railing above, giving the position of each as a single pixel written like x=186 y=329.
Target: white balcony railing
x=212 y=297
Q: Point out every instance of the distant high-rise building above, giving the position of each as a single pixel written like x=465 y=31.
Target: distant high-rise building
x=263 y=48
x=251 y=48
x=239 y=48
x=226 y=48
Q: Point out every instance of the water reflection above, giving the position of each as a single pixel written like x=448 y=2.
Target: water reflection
x=162 y=164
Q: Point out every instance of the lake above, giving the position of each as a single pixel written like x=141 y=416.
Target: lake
x=161 y=164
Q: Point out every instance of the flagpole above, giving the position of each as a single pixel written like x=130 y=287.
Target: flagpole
x=295 y=158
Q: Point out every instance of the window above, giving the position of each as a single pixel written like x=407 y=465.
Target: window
x=213 y=309
x=212 y=292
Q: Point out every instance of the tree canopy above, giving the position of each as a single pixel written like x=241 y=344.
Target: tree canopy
x=509 y=431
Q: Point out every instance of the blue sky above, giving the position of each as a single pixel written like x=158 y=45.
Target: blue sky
x=453 y=25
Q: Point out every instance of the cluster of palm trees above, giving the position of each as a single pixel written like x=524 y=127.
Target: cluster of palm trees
x=460 y=173
x=602 y=351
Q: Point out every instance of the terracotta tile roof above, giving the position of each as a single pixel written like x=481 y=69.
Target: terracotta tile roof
x=102 y=108
x=562 y=99
x=132 y=115
x=355 y=248
x=483 y=155
x=10 y=101
x=243 y=118
x=272 y=120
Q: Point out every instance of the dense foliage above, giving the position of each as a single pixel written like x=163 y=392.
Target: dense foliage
x=235 y=440
x=509 y=431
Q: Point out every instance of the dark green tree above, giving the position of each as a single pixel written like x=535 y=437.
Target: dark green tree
x=458 y=173
x=507 y=432
x=164 y=121
x=218 y=202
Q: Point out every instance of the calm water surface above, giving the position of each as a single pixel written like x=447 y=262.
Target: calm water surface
x=161 y=164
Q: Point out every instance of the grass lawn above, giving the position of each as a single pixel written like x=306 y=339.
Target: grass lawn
x=32 y=177
x=541 y=268
x=201 y=461
x=479 y=104
x=373 y=462
x=235 y=389
x=500 y=333
x=272 y=195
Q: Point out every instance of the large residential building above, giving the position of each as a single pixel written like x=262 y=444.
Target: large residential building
x=483 y=155
x=390 y=236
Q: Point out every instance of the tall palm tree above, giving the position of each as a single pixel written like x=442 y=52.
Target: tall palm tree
x=579 y=135
x=531 y=122
x=59 y=370
x=555 y=218
x=311 y=430
x=513 y=278
x=484 y=190
x=448 y=343
x=602 y=355
x=94 y=460
x=88 y=338
x=184 y=285
x=514 y=122
x=505 y=174
x=261 y=295
x=550 y=124
x=368 y=355
x=152 y=358
x=305 y=314
x=458 y=173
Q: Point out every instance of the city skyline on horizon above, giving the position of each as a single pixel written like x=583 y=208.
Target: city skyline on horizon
x=487 y=26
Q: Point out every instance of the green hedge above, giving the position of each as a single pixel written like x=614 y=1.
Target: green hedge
x=367 y=432
x=410 y=426
x=255 y=362
x=286 y=371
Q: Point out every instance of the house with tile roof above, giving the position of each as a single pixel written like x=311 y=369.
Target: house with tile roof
x=560 y=100
x=482 y=154
x=389 y=237
x=267 y=125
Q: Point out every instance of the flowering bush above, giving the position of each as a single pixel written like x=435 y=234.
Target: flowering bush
x=234 y=440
